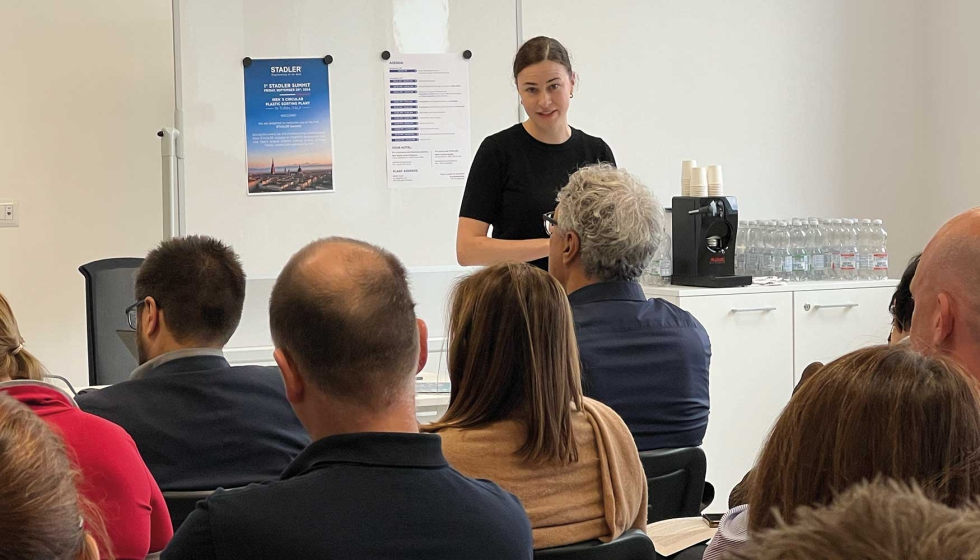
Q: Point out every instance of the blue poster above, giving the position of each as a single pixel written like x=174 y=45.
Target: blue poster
x=287 y=126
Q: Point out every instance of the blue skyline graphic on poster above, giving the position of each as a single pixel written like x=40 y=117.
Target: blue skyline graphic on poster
x=287 y=126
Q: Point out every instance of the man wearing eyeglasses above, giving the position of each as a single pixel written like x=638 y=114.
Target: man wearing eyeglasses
x=198 y=422
x=645 y=358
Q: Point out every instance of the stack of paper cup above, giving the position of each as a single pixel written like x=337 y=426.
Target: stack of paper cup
x=699 y=182
x=715 y=183
x=686 y=167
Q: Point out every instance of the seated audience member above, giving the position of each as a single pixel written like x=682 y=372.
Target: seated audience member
x=882 y=411
x=199 y=423
x=40 y=506
x=517 y=415
x=369 y=486
x=872 y=521
x=114 y=477
x=946 y=319
x=647 y=359
x=902 y=305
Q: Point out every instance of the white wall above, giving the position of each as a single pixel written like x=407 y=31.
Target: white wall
x=812 y=107
x=86 y=86
x=952 y=80
x=809 y=104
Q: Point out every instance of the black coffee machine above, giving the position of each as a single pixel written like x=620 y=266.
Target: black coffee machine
x=704 y=230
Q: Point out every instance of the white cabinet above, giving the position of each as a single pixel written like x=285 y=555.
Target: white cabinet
x=761 y=339
x=830 y=323
x=749 y=381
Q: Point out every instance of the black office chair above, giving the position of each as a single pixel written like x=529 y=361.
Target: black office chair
x=631 y=545
x=675 y=482
x=182 y=503
x=109 y=287
x=695 y=552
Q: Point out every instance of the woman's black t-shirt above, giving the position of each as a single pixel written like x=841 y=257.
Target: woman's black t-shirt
x=514 y=180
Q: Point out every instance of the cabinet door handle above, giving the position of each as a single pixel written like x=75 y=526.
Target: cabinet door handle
x=816 y=306
x=752 y=309
x=426 y=413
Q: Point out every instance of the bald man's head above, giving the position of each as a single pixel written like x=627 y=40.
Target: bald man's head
x=341 y=310
x=946 y=291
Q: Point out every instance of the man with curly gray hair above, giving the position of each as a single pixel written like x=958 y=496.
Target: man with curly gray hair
x=646 y=359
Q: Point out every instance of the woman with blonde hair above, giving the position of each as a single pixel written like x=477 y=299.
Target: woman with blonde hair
x=517 y=415
x=42 y=516
x=878 y=412
x=113 y=476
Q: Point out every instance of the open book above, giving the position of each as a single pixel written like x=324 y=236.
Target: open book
x=674 y=535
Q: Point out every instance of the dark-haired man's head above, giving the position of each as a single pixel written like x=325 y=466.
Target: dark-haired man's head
x=347 y=339
x=191 y=292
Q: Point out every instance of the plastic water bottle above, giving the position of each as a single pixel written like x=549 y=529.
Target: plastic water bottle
x=752 y=254
x=767 y=266
x=666 y=259
x=654 y=273
x=800 y=263
x=849 y=251
x=816 y=245
x=879 y=249
x=781 y=252
x=836 y=241
x=828 y=249
x=740 y=246
x=865 y=245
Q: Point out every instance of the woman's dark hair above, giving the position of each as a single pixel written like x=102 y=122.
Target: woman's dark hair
x=882 y=411
x=902 y=304
x=540 y=49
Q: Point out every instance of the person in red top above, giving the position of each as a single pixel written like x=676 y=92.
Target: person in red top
x=114 y=477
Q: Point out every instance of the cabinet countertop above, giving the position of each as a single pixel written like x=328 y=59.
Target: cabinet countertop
x=690 y=291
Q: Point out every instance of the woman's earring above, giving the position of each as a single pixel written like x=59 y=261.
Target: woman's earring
x=571 y=95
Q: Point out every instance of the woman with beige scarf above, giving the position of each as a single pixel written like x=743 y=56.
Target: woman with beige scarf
x=517 y=415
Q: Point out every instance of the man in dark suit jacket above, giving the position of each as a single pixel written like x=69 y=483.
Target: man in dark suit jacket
x=647 y=359
x=370 y=486
x=198 y=422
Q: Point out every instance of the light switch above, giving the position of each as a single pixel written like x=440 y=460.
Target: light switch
x=9 y=214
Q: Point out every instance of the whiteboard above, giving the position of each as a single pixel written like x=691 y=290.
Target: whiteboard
x=417 y=225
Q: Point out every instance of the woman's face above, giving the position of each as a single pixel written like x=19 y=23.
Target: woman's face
x=545 y=90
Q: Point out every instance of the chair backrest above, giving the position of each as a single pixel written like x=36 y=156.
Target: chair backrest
x=675 y=482
x=631 y=545
x=109 y=287
x=182 y=503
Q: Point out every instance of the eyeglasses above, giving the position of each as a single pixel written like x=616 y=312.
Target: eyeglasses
x=549 y=222
x=131 y=314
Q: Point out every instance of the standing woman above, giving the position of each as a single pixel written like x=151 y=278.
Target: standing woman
x=517 y=172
